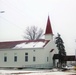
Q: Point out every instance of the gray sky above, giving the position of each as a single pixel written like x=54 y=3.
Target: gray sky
x=22 y=13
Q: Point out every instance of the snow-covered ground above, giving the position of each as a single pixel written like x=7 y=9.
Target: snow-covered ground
x=35 y=72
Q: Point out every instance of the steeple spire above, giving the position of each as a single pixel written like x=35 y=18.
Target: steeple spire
x=48 y=27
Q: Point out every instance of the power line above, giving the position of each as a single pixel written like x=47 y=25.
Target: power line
x=15 y=8
x=11 y=23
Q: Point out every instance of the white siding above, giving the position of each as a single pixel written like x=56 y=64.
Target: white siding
x=48 y=37
x=41 y=59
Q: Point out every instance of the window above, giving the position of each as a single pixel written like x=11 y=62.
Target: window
x=15 y=58
x=26 y=53
x=5 y=59
x=47 y=59
x=34 y=58
x=26 y=57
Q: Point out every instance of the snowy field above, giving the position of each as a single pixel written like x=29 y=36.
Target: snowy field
x=36 y=72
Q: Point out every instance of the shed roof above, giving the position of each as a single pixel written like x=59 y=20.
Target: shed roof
x=66 y=58
x=69 y=58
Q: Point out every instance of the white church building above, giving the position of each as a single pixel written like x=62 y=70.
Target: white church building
x=29 y=53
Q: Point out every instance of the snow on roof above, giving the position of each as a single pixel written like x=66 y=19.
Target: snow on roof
x=24 y=44
x=30 y=45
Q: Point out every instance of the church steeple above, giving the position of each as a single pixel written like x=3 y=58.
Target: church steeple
x=48 y=32
x=48 y=27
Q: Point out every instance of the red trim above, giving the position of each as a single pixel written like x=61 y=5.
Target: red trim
x=51 y=50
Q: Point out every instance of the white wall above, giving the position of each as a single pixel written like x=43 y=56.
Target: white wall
x=48 y=37
x=41 y=60
x=51 y=45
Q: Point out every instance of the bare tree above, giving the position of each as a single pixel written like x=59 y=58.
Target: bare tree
x=33 y=33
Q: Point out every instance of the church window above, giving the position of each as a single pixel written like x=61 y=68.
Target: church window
x=26 y=53
x=26 y=57
x=47 y=59
x=15 y=58
x=34 y=58
x=5 y=58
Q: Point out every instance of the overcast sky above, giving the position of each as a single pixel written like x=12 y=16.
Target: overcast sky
x=22 y=13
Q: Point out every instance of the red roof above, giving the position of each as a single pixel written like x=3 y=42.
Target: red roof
x=48 y=27
x=11 y=44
